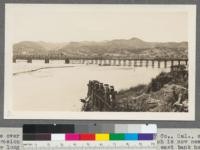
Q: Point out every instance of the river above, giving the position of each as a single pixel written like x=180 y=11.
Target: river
x=59 y=87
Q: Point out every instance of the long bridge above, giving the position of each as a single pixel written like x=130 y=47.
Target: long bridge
x=140 y=62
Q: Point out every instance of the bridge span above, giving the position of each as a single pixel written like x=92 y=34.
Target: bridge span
x=139 y=62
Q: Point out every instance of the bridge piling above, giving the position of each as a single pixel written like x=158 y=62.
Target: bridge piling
x=129 y=62
x=106 y=94
x=112 y=93
x=147 y=63
x=135 y=63
x=119 y=62
x=141 y=63
x=158 y=63
x=114 y=62
x=101 y=97
x=109 y=62
x=92 y=61
x=104 y=61
x=46 y=60
x=165 y=64
x=100 y=62
x=152 y=63
x=124 y=62
x=179 y=62
x=172 y=63
x=101 y=94
x=186 y=62
x=95 y=99
x=29 y=60
x=66 y=61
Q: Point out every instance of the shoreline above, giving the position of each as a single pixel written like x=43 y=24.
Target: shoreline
x=41 y=68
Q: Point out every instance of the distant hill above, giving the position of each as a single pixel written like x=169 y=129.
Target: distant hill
x=30 y=47
x=117 y=48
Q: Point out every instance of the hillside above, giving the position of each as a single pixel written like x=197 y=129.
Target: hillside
x=120 y=48
x=168 y=92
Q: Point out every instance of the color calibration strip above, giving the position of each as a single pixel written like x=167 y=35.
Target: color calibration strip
x=88 y=137
x=108 y=132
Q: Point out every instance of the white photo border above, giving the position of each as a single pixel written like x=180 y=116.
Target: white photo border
x=172 y=116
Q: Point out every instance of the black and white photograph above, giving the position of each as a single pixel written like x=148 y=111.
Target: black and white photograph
x=121 y=62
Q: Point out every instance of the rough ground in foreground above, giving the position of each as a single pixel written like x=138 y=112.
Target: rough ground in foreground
x=168 y=92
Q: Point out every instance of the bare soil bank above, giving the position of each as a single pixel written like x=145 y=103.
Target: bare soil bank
x=168 y=92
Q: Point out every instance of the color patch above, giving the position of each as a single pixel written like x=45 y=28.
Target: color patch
x=145 y=136
x=43 y=137
x=85 y=137
x=63 y=128
x=48 y=128
x=117 y=136
x=29 y=137
x=57 y=137
x=130 y=136
x=150 y=128
x=38 y=128
x=107 y=128
x=72 y=137
x=81 y=128
x=102 y=137
x=37 y=137
x=121 y=128
x=134 y=128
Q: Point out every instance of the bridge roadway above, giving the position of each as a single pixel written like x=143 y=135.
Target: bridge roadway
x=113 y=61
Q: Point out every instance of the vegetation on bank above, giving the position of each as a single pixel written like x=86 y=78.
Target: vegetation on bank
x=168 y=92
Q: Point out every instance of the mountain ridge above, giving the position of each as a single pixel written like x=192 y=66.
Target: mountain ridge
x=113 y=48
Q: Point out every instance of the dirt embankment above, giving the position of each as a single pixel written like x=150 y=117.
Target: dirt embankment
x=168 y=92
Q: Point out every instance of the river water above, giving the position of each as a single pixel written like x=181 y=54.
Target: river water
x=59 y=87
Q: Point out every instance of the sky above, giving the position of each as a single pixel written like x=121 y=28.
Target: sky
x=66 y=23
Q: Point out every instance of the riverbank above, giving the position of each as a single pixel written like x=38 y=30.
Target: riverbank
x=41 y=68
x=168 y=92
